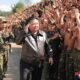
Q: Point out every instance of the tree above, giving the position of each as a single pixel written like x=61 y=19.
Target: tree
x=17 y=7
x=5 y=14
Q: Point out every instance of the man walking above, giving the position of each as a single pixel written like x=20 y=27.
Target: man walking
x=33 y=51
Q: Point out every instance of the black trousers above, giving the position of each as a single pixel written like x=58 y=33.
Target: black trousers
x=53 y=69
x=30 y=72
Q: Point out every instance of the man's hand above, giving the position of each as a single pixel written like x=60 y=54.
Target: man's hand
x=26 y=28
x=51 y=61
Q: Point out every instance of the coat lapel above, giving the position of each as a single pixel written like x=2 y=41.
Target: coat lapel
x=31 y=42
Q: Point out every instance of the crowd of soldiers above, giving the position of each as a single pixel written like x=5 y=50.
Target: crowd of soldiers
x=62 y=14
x=58 y=18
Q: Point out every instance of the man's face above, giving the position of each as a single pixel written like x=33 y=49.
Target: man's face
x=34 y=26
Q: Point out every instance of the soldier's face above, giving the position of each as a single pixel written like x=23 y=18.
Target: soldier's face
x=34 y=26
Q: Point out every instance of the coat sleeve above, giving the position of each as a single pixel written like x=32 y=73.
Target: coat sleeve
x=48 y=48
x=20 y=37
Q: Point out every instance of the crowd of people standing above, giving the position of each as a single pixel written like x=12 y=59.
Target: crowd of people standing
x=59 y=19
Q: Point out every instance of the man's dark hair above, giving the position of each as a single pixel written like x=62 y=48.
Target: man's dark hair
x=30 y=19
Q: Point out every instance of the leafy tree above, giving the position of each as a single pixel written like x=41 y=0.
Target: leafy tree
x=17 y=7
x=5 y=14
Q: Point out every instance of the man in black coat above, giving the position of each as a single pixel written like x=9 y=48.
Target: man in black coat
x=56 y=44
x=33 y=52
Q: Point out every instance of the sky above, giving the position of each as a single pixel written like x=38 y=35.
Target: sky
x=5 y=5
x=31 y=2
